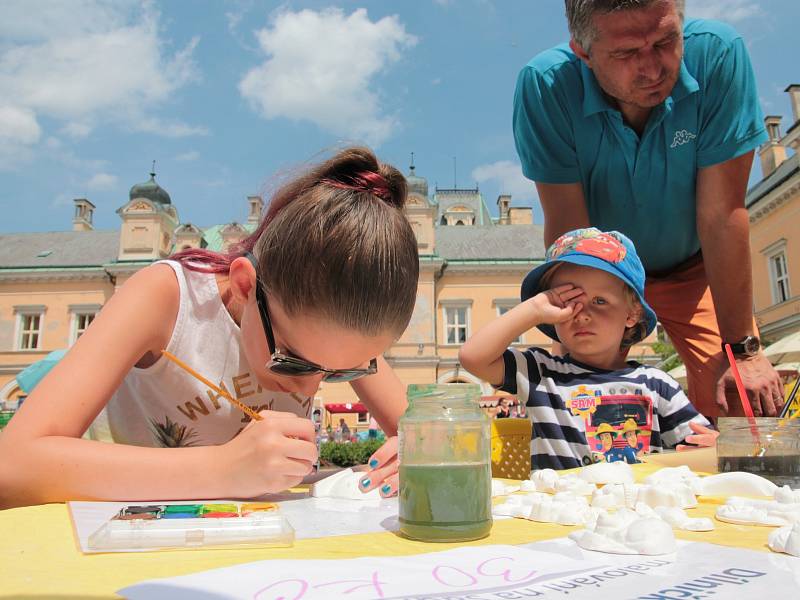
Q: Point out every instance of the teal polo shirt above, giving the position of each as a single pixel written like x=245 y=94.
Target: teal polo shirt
x=566 y=131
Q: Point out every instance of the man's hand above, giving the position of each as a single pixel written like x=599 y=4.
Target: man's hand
x=761 y=382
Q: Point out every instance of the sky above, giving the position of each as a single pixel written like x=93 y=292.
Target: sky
x=230 y=97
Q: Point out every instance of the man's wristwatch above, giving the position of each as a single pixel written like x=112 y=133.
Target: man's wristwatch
x=749 y=346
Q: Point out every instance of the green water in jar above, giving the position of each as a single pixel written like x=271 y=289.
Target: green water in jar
x=446 y=502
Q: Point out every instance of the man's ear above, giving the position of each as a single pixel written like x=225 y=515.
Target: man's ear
x=580 y=52
x=242 y=279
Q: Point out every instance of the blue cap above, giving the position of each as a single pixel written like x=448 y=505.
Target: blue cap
x=610 y=251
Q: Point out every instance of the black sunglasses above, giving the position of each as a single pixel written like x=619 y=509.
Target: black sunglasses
x=292 y=366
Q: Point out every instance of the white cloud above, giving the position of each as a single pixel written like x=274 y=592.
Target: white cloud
x=188 y=156
x=173 y=129
x=76 y=129
x=321 y=66
x=731 y=11
x=19 y=129
x=509 y=178
x=83 y=63
x=102 y=181
x=18 y=125
x=61 y=200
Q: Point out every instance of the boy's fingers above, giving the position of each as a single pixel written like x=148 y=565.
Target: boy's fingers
x=698 y=428
x=571 y=294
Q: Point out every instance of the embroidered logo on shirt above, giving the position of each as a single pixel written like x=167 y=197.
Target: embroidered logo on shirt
x=682 y=137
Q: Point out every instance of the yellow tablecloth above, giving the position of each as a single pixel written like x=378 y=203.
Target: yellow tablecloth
x=39 y=557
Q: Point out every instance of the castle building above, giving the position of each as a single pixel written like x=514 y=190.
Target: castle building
x=52 y=285
x=773 y=205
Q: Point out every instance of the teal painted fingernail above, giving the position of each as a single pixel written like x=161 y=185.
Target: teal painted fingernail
x=373 y=463
x=365 y=482
x=386 y=489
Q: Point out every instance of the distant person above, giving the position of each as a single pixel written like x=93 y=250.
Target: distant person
x=344 y=430
x=503 y=411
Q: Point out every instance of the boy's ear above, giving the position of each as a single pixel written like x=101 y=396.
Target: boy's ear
x=634 y=316
x=242 y=278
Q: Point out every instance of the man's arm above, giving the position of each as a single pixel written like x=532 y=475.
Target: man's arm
x=564 y=209
x=724 y=231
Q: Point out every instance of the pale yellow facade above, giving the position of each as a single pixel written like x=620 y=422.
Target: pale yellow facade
x=774 y=210
x=456 y=295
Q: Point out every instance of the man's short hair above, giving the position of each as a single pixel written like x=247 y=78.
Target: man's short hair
x=580 y=13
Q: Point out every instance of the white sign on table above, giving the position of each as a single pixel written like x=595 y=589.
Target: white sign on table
x=543 y=570
x=476 y=571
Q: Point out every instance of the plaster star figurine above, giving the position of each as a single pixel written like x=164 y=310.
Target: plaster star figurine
x=674 y=494
x=604 y=472
x=678 y=519
x=500 y=488
x=786 y=539
x=751 y=511
x=562 y=508
x=543 y=480
x=616 y=495
x=735 y=483
x=744 y=514
x=787 y=495
x=550 y=482
x=625 y=532
x=575 y=485
x=681 y=474
x=343 y=484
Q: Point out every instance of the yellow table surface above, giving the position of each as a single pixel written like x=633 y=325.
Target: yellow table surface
x=39 y=556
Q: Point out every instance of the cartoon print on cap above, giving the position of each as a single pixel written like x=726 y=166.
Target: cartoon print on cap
x=605 y=246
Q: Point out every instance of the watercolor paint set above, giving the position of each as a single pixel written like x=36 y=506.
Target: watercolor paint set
x=183 y=526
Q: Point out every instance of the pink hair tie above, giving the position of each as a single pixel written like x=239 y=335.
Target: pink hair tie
x=366 y=181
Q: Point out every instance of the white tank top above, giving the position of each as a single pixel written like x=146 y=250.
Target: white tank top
x=164 y=406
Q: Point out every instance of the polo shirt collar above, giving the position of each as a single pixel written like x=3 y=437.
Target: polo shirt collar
x=594 y=100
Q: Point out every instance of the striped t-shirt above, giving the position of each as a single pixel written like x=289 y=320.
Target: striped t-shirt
x=563 y=396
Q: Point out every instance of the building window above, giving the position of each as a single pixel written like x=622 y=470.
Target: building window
x=82 y=317
x=363 y=418
x=780 y=278
x=82 y=322
x=455 y=319
x=503 y=309
x=29 y=327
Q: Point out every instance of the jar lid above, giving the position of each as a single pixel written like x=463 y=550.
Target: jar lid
x=442 y=390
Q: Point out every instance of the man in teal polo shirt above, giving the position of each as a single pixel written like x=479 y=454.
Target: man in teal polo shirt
x=647 y=125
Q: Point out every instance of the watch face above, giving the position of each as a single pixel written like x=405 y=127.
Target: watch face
x=751 y=344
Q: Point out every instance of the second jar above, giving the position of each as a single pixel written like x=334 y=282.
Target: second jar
x=445 y=465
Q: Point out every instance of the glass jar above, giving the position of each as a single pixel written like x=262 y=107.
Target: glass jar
x=774 y=453
x=445 y=464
